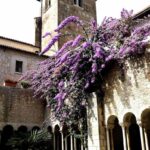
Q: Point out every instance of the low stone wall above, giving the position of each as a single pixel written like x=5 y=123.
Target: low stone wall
x=18 y=107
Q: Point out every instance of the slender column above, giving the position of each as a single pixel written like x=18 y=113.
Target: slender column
x=146 y=141
x=142 y=137
x=71 y=142
x=108 y=142
x=62 y=141
x=127 y=138
x=82 y=148
x=112 y=140
x=74 y=143
x=124 y=138
x=65 y=143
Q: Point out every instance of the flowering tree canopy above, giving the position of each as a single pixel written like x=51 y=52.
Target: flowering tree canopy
x=67 y=78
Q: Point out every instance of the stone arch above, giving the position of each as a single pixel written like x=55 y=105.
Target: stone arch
x=128 y=119
x=57 y=138
x=132 y=131
x=7 y=133
x=115 y=133
x=145 y=119
x=36 y=128
x=22 y=133
x=23 y=129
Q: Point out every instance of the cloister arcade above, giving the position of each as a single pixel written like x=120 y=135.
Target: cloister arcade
x=8 y=132
x=132 y=134
x=60 y=139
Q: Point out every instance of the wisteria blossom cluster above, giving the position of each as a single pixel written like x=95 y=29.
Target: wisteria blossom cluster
x=67 y=79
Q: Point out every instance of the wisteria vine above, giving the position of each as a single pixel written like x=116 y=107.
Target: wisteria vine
x=67 y=78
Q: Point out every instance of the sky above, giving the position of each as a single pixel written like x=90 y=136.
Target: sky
x=112 y=8
x=17 y=16
x=17 y=19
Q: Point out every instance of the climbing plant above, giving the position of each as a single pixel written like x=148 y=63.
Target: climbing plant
x=67 y=79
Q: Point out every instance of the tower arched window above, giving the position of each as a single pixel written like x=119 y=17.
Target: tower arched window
x=47 y=4
x=78 y=2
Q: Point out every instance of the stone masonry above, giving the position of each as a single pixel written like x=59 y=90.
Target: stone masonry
x=18 y=107
x=8 y=56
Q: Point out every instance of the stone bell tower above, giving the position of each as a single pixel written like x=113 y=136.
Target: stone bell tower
x=54 y=11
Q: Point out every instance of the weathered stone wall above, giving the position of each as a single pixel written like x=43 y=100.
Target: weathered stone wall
x=67 y=8
x=49 y=23
x=125 y=91
x=93 y=124
x=8 y=59
x=128 y=93
x=58 y=11
x=18 y=107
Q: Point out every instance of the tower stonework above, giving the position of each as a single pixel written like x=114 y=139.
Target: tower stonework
x=54 y=11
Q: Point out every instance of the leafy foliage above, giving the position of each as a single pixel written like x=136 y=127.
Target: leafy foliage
x=35 y=140
x=67 y=79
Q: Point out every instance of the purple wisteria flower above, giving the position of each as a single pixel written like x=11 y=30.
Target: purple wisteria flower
x=93 y=79
x=94 y=68
x=77 y=41
x=87 y=85
x=65 y=22
x=99 y=53
x=126 y=14
x=46 y=34
x=93 y=25
x=64 y=47
x=67 y=78
x=60 y=96
x=110 y=57
x=86 y=45
x=61 y=84
x=103 y=66
x=64 y=57
x=51 y=43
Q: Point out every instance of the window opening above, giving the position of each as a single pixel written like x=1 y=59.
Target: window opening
x=19 y=66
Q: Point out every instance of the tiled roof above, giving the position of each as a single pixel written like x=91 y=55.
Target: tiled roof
x=142 y=13
x=18 y=45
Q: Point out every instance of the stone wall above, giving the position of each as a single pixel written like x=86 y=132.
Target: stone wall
x=93 y=124
x=8 y=59
x=58 y=11
x=49 y=23
x=128 y=93
x=67 y=8
x=18 y=107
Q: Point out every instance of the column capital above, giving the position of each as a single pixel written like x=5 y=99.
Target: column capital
x=122 y=125
x=139 y=123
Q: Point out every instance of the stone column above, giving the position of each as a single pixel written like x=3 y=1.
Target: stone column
x=74 y=143
x=65 y=143
x=146 y=141
x=124 y=138
x=62 y=140
x=142 y=137
x=108 y=142
x=93 y=125
x=71 y=142
x=127 y=138
x=112 y=142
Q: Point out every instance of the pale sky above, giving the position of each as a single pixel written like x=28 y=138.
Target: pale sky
x=17 y=19
x=17 y=16
x=112 y=8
